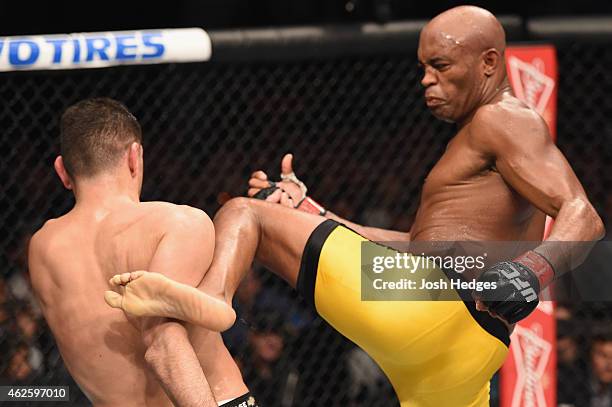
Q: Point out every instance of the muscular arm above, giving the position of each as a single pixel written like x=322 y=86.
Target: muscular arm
x=517 y=142
x=171 y=357
x=184 y=254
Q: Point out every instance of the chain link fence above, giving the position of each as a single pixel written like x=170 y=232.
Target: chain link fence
x=363 y=142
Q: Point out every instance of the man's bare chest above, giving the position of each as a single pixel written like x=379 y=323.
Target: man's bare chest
x=460 y=166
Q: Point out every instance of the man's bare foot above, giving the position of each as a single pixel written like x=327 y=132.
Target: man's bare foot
x=145 y=294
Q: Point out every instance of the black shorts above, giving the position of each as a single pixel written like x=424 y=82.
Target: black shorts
x=246 y=400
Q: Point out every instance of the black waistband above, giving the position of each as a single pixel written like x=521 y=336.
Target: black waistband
x=246 y=400
x=307 y=276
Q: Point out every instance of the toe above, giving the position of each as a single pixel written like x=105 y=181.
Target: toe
x=115 y=280
x=113 y=299
x=125 y=278
x=136 y=274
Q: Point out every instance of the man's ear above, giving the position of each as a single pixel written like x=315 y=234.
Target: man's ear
x=491 y=59
x=60 y=169
x=135 y=158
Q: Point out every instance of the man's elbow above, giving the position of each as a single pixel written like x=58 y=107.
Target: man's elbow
x=600 y=229
x=590 y=219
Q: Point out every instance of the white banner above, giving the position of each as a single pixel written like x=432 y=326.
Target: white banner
x=102 y=49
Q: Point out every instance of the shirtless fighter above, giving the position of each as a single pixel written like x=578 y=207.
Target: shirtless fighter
x=115 y=362
x=497 y=178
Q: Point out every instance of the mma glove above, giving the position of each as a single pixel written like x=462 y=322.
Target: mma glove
x=305 y=203
x=518 y=284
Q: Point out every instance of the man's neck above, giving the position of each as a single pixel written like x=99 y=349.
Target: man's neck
x=104 y=191
x=490 y=95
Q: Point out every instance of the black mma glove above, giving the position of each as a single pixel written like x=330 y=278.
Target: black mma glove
x=518 y=284
x=305 y=204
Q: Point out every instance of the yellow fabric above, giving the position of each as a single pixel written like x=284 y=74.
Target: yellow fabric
x=434 y=353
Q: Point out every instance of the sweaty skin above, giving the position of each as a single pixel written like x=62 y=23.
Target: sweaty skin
x=496 y=180
x=72 y=259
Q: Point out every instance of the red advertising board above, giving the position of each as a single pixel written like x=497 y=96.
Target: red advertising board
x=528 y=378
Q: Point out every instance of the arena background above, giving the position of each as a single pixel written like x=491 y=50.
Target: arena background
x=349 y=107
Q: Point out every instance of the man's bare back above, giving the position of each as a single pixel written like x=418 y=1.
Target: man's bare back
x=72 y=258
x=116 y=361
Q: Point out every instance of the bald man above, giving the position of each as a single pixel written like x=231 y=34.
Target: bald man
x=497 y=178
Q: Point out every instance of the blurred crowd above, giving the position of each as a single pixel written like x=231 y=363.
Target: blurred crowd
x=584 y=357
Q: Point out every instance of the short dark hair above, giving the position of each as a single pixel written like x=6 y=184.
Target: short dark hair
x=602 y=333
x=94 y=134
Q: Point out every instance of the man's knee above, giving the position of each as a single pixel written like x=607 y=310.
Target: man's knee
x=239 y=209
x=234 y=207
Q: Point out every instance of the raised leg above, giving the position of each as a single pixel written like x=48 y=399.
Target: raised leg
x=248 y=229
x=245 y=229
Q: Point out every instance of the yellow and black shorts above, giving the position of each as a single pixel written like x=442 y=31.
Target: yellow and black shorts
x=435 y=353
